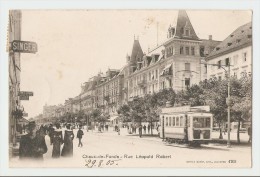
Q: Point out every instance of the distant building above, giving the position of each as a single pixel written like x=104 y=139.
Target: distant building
x=236 y=49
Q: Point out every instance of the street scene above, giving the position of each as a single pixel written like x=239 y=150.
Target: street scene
x=130 y=88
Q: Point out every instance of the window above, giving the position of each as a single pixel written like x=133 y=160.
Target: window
x=244 y=56
x=192 y=51
x=181 y=50
x=187 y=82
x=187 y=50
x=206 y=69
x=187 y=66
x=187 y=32
x=235 y=59
x=166 y=121
x=235 y=74
x=219 y=64
x=227 y=62
x=181 y=121
x=219 y=77
x=170 y=121
x=156 y=73
x=177 y=121
x=173 y=121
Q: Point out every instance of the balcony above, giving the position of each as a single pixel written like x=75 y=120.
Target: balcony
x=142 y=83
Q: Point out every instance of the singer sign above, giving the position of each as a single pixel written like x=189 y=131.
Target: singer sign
x=24 y=46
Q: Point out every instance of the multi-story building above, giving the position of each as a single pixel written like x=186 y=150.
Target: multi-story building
x=68 y=105
x=87 y=96
x=174 y=64
x=109 y=92
x=236 y=49
x=14 y=75
x=49 y=112
x=206 y=47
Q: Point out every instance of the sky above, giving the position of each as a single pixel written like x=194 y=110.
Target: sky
x=74 y=45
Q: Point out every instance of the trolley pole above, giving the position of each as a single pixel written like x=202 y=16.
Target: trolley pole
x=228 y=102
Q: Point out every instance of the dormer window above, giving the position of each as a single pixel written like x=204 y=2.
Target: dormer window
x=187 y=32
x=231 y=35
x=217 y=48
x=238 y=40
x=229 y=44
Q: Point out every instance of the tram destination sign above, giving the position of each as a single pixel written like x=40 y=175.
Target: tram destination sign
x=24 y=46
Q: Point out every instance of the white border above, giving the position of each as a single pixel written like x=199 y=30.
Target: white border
x=5 y=5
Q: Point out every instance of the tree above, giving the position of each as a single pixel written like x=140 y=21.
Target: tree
x=214 y=94
x=241 y=101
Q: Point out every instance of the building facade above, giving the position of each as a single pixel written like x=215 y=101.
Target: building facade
x=235 y=50
x=15 y=107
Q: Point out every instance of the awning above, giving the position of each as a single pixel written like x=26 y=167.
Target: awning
x=23 y=120
x=161 y=57
x=166 y=69
x=113 y=118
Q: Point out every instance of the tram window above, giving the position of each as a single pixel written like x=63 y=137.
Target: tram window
x=166 y=121
x=207 y=122
x=173 y=121
x=170 y=121
x=177 y=121
x=202 y=122
x=181 y=121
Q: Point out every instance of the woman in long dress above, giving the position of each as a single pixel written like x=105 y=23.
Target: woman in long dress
x=67 y=150
x=57 y=141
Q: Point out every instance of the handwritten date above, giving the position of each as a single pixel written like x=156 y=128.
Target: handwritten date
x=101 y=163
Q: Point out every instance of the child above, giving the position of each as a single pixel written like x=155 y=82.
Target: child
x=79 y=136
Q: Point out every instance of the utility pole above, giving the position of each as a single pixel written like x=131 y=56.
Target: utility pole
x=157 y=32
x=228 y=103
x=228 y=97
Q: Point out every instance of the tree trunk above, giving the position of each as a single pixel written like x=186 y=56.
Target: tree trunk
x=140 y=129
x=238 y=132
x=151 y=126
x=220 y=131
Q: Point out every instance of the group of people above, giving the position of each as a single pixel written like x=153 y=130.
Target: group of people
x=33 y=144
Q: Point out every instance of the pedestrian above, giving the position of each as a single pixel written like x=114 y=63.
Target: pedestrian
x=144 y=127
x=79 y=136
x=249 y=131
x=148 y=127
x=118 y=130
x=51 y=130
x=57 y=141
x=32 y=145
x=67 y=150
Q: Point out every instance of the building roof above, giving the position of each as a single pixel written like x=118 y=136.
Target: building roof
x=183 y=22
x=208 y=45
x=137 y=51
x=241 y=37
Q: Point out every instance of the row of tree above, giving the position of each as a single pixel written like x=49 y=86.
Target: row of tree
x=212 y=92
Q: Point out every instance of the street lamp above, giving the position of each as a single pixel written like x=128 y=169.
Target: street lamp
x=228 y=98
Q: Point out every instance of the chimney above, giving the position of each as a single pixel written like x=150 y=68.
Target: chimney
x=210 y=37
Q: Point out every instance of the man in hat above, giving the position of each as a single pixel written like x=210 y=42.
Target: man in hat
x=32 y=145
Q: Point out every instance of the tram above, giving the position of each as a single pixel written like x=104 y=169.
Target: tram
x=186 y=125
